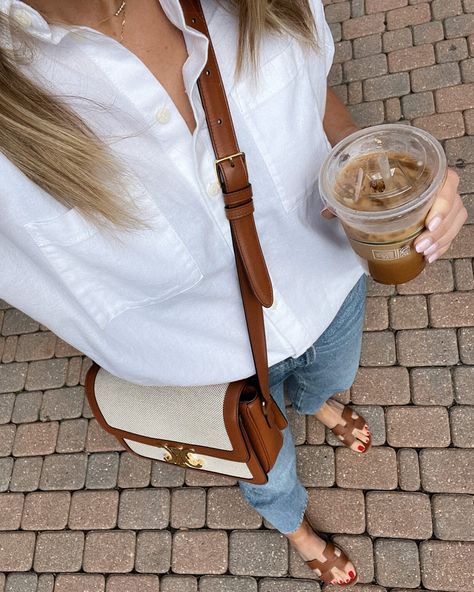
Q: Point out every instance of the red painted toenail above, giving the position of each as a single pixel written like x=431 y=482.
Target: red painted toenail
x=351 y=574
x=361 y=448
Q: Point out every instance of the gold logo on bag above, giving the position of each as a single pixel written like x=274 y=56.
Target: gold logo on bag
x=183 y=457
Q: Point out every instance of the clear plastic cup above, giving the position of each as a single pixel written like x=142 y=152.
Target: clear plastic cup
x=381 y=183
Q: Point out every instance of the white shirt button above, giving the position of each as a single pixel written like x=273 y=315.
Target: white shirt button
x=163 y=115
x=22 y=18
x=213 y=189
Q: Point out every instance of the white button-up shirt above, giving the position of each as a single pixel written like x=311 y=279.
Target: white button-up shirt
x=163 y=306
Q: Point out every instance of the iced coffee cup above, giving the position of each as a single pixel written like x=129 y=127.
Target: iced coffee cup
x=381 y=183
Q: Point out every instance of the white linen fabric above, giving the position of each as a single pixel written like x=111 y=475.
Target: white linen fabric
x=163 y=306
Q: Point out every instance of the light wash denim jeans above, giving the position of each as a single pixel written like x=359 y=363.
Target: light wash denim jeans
x=327 y=367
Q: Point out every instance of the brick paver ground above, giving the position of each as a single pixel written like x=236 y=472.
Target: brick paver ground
x=78 y=513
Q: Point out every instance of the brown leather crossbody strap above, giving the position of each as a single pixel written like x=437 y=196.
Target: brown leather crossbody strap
x=254 y=279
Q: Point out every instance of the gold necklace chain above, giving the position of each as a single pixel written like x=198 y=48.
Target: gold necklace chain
x=116 y=13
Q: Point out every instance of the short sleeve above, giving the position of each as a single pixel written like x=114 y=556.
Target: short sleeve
x=325 y=39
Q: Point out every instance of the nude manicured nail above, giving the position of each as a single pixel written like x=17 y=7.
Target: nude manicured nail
x=432 y=258
x=422 y=245
x=431 y=250
x=434 y=223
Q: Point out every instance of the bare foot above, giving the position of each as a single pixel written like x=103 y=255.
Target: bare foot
x=330 y=414
x=310 y=546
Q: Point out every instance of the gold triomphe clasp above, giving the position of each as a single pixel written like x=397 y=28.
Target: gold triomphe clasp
x=183 y=457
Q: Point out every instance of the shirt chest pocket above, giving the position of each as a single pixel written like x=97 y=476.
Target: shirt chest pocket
x=108 y=275
x=285 y=120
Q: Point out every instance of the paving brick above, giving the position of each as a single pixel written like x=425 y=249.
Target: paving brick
x=102 y=470
x=365 y=67
x=427 y=347
x=452 y=310
x=144 y=509
x=453 y=517
x=383 y=5
x=16 y=322
x=368 y=46
x=385 y=87
x=399 y=515
x=11 y=507
x=197 y=478
x=238 y=584
x=46 y=511
x=376 y=314
x=335 y=75
x=336 y=31
x=93 y=510
x=398 y=39
x=27 y=406
x=459 y=26
x=417 y=105
x=462 y=244
x=188 y=508
x=437 y=277
x=201 y=552
x=442 y=9
x=7 y=436
x=7 y=401
x=258 y=553
x=109 y=552
x=403 y=60
x=315 y=465
x=98 y=440
x=408 y=312
x=72 y=435
x=133 y=583
x=12 y=377
x=416 y=427
x=374 y=416
x=360 y=550
x=466 y=345
x=382 y=386
x=45 y=583
x=134 y=471
x=16 y=550
x=59 y=551
x=46 y=374
x=315 y=431
x=444 y=565
x=153 y=553
x=34 y=439
x=376 y=469
x=64 y=472
x=460 y=147
x=435 y=77
x=367 y=114
x=226 y=508
x=408 y=469
x=6 y=465
x=342 y=52
x=408 y=16
x=396 y=563
x=467 y=69
x=337 y=510
x=336 y=13
x=462 y=420
x=431 y=386
x=469 y=199
x=9 y=349
x=179 y=584
x=463 y=378
x=165 y=475
x=64 y=403
x=26 y=474
x=364 y=25
x=451 y=50
x=35 y=346
x=457 y=475
x=21 y=582
x=393 y=110
x=455 y=98
x=297 y=425
x=79 y=583
x=283 y=585
x=378 y=349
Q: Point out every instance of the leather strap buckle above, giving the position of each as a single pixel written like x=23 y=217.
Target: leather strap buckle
x=231 y=158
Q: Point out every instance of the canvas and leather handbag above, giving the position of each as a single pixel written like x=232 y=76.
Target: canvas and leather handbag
x=234 y=428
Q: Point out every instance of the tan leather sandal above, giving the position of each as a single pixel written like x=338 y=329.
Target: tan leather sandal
x=346 y=430
x=332 y=561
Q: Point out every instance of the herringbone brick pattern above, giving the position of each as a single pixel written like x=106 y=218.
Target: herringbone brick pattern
x=78 y=513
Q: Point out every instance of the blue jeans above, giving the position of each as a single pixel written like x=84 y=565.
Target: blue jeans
x=327 y=367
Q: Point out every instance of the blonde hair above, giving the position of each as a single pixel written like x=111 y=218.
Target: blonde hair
x=59 y=152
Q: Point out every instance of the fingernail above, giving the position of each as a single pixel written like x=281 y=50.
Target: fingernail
x=433 y=258
x=422 y=245
x=434 y=223
x=431 y=250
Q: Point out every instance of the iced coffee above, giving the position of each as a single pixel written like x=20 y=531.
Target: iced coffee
x=381 y=183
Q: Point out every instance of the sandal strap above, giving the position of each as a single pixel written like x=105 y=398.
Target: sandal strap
x=346 y=430
x=332 y=561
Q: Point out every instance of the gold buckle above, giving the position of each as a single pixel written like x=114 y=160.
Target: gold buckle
x=231 y=157
x=183 y=457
